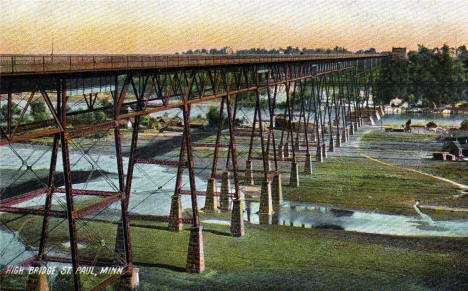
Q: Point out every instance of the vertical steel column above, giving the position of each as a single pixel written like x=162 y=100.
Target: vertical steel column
x=175 y=218
x=69 y=190
x=272 y=106
x=50 y=184
x=214 y=167
x=125 y=195
x=237 y=219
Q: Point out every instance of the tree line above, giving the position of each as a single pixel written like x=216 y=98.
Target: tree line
x=287 y=51
x=427 y=78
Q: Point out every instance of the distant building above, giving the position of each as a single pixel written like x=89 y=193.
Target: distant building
x=455 y=148
x=227 y=50
x=399 y=53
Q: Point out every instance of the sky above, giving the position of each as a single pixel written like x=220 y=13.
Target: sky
x=156 y=27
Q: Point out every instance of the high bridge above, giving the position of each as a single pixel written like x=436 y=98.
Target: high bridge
x=300 y=108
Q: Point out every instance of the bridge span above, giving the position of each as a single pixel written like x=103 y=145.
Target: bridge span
x=299 y=108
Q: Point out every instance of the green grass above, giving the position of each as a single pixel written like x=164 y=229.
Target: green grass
x=397 y=137
x=456 y=171
x=363 y=184
x=295 y=258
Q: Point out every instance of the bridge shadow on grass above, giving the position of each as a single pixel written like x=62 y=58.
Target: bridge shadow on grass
x=217 y=232
x=165 y=266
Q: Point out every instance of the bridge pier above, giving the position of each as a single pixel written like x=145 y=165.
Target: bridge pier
x=225 y=189
x=130 y=281
x=175 y=216
x=277 y=191
x=266 y=204
x=249 y=179
x=195 y=254
x=319 y=154
x=324 y=151
x=294 y=176
x=211 y=201
x=308 y=164
x=38 y=282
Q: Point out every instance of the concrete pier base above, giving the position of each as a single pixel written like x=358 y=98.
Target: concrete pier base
x=312 y=137
x=195 y=255
x=38 y=282
x=225 y=188
x=294 y=176
x=237 y=221
x=344 y=136
x=266 y=204
x=211 y=201
x=175 y=216
x=286 y=150
x=264 y=218
x=319 y=155
x=308 y=164
x=280 y=152
x=130 y=281
x=277 y=191
x=324 y=151
x=249 y=180
x=268 y=164
x=331 y=146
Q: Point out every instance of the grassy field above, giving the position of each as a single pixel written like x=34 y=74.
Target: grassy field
x=363 y=184
x=397 y=137
x=296 y=258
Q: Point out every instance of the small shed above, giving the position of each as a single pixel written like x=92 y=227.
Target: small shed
x=454 y=148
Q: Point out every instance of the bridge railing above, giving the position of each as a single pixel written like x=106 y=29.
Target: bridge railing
x=11 y=64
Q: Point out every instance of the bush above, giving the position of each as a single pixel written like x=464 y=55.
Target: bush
x=213 y=116
x=464 y=124
x=431 y=124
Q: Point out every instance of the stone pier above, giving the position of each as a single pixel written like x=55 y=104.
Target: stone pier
x=237 y=218
x=280 y=152
x=344 y=136
x=130 y=281
x=294 y=177
x=331 y=147
x=249 y=180
x=324 y=151
x=211 y=201
x=276 y=191
x=225 y=188
x=319 y=155
x=268 y=164
x=38 y=282
x=308 y=164
x=266 y=204
x=286 y=150
x=175 y=216
x=195 y=255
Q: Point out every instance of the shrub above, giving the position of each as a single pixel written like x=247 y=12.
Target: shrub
x=464 y=124
x=431 y=124
x=213 y=116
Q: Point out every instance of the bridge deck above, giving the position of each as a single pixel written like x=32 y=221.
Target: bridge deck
x=14 y=65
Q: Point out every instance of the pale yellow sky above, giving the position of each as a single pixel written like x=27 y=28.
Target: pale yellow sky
x=149 y=26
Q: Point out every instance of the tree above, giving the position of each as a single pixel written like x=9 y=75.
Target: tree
x=39 y=111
